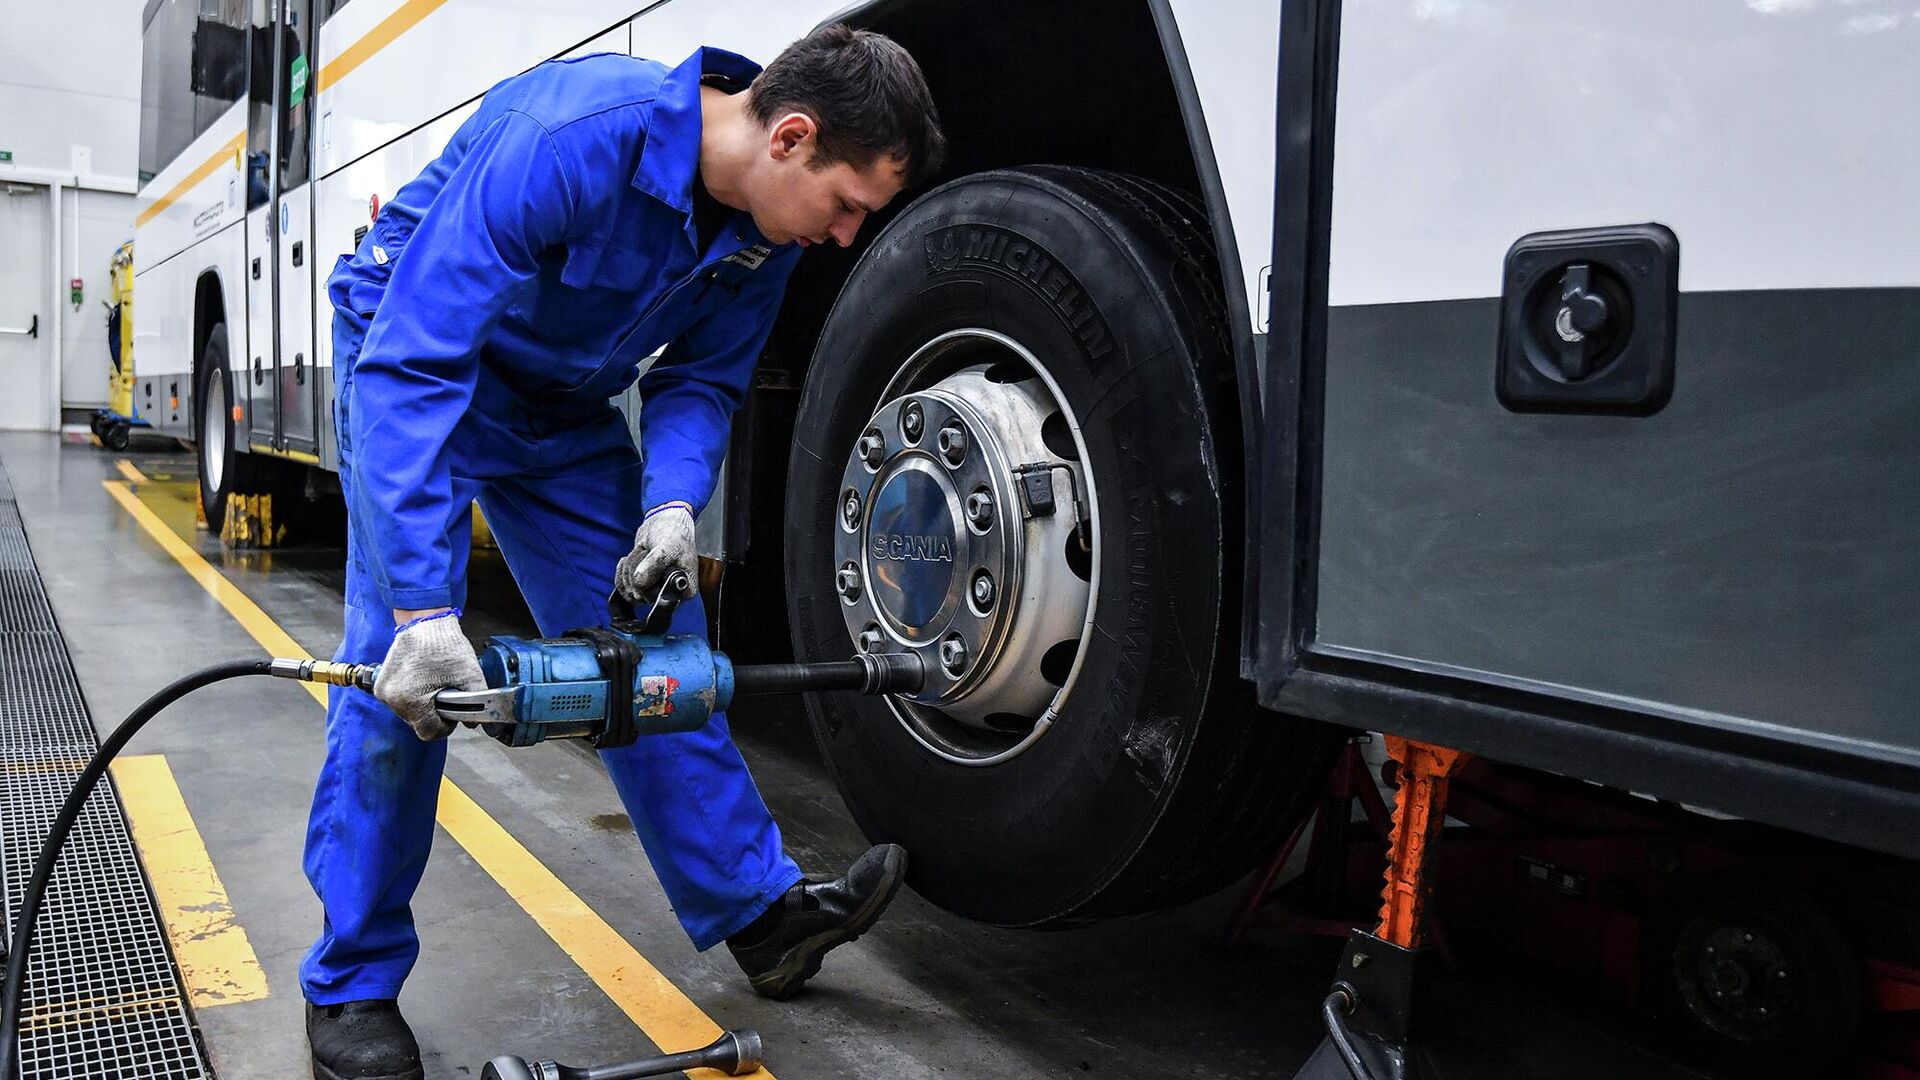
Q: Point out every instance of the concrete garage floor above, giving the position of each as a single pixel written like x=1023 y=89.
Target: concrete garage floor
x=923 y=995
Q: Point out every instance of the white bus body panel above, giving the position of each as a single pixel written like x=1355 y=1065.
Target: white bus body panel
x=343 y=203
x=344 y=200
x=194 y=232
x=1233 y=50
x=1740 y=100
x=205 y=207
x=163 y=326
x=374 y=86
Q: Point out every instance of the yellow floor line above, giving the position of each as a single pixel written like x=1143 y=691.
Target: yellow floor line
x=650 y=1000
x=216 y=959
x=130 y=471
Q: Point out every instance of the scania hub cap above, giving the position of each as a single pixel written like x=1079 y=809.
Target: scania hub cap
x=964 y=533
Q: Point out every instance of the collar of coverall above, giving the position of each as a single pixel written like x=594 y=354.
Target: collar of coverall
x=671 y=155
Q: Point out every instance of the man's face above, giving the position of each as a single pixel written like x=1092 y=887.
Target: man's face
x=792 y=201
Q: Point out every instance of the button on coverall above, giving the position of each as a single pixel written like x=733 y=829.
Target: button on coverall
x=493 y=309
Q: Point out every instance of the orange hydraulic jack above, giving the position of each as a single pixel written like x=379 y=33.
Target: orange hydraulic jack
x=1369 y=1011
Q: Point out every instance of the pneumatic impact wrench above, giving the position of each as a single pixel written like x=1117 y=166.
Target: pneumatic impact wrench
x=610 y=687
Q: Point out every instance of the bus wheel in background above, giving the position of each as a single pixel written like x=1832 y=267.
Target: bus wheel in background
x=225 y=469
x=1017 y=454
x=1754 y=979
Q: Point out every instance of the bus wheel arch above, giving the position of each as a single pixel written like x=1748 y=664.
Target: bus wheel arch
x=997 y=70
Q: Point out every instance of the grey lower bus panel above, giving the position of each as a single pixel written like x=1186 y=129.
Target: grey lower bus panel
x=1744 y=557
x=165 y=402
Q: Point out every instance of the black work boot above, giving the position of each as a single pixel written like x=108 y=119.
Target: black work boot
x=362 y=1040
x=782 y=949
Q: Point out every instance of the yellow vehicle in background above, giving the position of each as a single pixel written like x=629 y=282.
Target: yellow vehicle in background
x=114 y=425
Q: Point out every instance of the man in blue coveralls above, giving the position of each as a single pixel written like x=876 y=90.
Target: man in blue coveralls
x=590 y=212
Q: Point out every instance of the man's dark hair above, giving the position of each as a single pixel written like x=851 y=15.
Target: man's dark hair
x=864 y=92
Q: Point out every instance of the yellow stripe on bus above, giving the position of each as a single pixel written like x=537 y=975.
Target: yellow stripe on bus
x=217 y=961
x=402 y=20
x=649 y=999
x=234 y=146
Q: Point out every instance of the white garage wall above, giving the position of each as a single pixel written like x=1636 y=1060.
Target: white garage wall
x=70 y=116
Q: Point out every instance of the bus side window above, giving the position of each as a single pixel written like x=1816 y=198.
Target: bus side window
x=218 y=61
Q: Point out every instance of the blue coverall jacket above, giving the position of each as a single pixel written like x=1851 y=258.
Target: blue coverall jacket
x=494 y=307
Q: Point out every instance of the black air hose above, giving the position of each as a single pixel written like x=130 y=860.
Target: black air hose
x=20 y=941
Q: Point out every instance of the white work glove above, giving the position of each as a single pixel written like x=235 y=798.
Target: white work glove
x=428 y=655
x=663 y=544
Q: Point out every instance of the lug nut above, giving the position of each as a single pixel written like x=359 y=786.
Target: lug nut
x=873 y=449
x=870 y=639
x=953 y=655
x=850 y=509
x=983 y=590
x=980 y=510
x=848 y=582
x=953 y=444
x=912 y=421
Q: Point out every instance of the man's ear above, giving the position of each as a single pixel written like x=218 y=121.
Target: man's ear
x=789 y=134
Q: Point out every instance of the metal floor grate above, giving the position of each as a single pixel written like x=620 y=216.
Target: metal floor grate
x=103 y=994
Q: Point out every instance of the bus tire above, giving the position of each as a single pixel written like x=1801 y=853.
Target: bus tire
x=1159 y=780
x=225 y=469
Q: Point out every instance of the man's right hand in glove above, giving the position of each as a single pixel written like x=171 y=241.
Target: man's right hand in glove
x=663 y=544
x=429 y=654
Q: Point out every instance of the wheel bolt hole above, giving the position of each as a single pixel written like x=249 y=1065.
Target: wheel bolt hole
x=1058 y=437
x=1057 y=662
x=873 y=449
x=1079 y=554
x=850 y=509
x=913 y=422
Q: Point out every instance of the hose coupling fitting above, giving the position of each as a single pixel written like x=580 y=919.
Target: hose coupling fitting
x=324 y=671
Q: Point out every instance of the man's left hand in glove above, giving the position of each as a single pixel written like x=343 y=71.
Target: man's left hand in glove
x=663 y=544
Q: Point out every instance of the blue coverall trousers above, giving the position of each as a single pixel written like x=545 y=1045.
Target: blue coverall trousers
x=562 y=524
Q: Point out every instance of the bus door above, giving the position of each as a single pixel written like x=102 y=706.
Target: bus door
x=253 y=367
x=281 y=386
x=293 y=197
